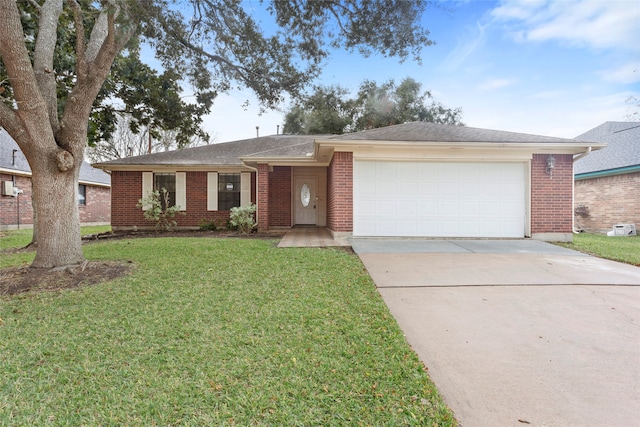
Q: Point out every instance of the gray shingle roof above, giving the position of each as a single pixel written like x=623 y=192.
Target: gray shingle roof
x=88 y=174
x=230 y=153
x=225 y=154
x=433 y=132
x=623 y=147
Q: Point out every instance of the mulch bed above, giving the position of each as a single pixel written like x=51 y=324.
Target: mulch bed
x=19 y=280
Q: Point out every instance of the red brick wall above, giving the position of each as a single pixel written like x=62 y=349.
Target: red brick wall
x=127 y=190
x=280 y=197
x=601 y=203
x=10 y=213
x=551 y=210
x=97 y=208
x=197 y=211
x=263 y=197
x=340 y=193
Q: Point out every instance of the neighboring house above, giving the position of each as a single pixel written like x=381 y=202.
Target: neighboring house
x=414 y=179
x=94 y=198
x=607 y=182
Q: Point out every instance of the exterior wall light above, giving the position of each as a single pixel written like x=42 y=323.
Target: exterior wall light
x=551 y=164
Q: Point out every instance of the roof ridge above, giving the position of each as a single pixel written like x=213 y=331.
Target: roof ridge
x=626 y=129
x=280 y=148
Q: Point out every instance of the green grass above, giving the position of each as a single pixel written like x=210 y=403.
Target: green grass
x=213 y=332
x=617 y=248
x=20 y=238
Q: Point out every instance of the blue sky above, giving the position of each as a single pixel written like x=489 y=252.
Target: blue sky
x=556 y=68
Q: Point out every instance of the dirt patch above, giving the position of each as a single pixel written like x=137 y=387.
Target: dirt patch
x=18 y=280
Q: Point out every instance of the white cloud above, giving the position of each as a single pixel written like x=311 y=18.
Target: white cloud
x=472 y=39
x=628 y=73
x=549 y=94
x=494 y=84
x=596 y=24
x=560 y=114
x=230 y=121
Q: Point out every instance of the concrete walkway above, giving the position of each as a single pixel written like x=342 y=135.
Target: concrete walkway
x=405 y=263
x=517 y=332
x=310 y=237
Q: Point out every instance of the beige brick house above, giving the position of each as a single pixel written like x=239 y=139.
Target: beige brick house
x=607 y=182
x=94 y=196
x=412 y=180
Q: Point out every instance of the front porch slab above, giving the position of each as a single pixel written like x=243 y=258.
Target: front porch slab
x=309 y=237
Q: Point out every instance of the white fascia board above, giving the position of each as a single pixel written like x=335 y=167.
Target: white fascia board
x=174 y=168
x=14 y=172
x=94 y=184
x=550 y=148
x=252 y=162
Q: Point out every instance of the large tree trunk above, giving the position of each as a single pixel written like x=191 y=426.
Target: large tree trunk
x=55 y=147
x=58 y=221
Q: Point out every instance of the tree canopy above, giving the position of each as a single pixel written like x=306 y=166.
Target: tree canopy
x=329 y=110
x=69 y=66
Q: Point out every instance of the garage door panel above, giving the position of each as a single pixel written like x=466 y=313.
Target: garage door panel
x=470 y=209
x=448 y=209
x=388 y=169
x=385 y=208
x=407 y=208
x=407 y=228
x=408 y=172
x=386 y=187
x=428 y=190
x=439 y=199
x=449 y=190
x=407 y=189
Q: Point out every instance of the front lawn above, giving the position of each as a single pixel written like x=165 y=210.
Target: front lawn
x=21 y=238
x=212 y=332
x=617 y=248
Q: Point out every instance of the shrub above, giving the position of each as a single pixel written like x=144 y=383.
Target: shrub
x=151 y=206
x=210 y=225
x=242 y=218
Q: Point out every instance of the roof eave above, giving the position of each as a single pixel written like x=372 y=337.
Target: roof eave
x=15 y=172
x=607 y=172
x=167 y=166
x=94 y=183
x=312 y=160
x=547 y=147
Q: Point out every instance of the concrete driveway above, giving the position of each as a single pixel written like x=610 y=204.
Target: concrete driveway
x=517 y=332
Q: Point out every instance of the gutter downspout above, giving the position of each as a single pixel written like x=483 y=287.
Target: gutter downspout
x=573 y=191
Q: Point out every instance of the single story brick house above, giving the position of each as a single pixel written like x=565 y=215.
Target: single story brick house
x=607 y=182
x=413 y=179
x=94 y=190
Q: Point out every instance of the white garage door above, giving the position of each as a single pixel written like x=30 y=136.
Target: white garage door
x=438 y=199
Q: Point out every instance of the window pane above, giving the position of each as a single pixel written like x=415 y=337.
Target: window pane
x=228 y=191
x=82 y=194
x=168 y=182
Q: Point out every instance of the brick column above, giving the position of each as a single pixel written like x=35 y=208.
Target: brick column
x=551 y=208
x=340 y=193
x=263 y=197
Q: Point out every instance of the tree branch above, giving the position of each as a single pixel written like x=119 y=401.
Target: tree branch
x=10 y=121
x=35 y=4
x=99 y=33
x=217 y=58
x=81 y=59
x=101 y=51
x=43 y=57
x=348 y=12
x=18 y=64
